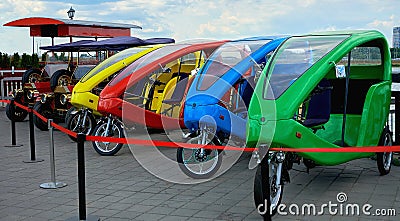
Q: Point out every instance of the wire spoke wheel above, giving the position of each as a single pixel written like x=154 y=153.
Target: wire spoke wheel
x=81 y=124
x=34 y=77
x=108 y=148
x=275 y=191
x=199 y=163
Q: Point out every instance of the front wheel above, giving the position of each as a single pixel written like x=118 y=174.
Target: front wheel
x=80 y=124
x=199 y=163
x=384 y=160
x=108 y=148
x=45 y=110
x=276 y=191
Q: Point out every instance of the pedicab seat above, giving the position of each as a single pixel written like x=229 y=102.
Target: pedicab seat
x=247 y=90
x=138 y=92
x=177 y=95
x=319 y=108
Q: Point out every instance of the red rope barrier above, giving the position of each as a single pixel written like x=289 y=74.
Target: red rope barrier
x=245 y=149
x=374 y=149
x=64 y=130
x=163 y=143
x=22 y=106
x=39 y=116
x=170 y=144
x=5 y=101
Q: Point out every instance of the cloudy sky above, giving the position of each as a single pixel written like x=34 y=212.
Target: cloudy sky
x=188 y=19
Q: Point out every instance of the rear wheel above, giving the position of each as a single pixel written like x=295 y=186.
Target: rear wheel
x=60 y=78
x=68 y=114
x=31 y=76
x=113 y=130
x=45 y=110
x=384 y=160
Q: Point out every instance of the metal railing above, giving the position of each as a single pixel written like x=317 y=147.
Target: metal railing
x=10 y=80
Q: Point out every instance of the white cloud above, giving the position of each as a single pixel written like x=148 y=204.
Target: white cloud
x=224 y=19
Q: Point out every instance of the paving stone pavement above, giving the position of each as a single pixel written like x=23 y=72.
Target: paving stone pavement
x=118 y=188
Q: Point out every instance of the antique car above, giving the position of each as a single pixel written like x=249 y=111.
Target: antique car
x=216 y=103
x=53 y=103
x=149 y=92
x=323 y=90
x=56 y=71
x=85 y=94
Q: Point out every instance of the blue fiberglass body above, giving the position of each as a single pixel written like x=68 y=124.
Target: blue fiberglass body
x=220 y=93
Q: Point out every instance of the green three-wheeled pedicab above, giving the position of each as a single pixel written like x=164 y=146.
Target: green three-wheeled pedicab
x=325 y=90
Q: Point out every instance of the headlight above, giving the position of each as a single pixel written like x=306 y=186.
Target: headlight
x=30 y=94
x=64 y=98
x=43 y=98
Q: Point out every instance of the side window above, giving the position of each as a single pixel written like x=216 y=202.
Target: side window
x=362 y=56
x=188 y=59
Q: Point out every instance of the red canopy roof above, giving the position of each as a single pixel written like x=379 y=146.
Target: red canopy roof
x=51 y=27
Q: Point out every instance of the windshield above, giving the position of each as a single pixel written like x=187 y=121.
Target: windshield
x=224 y=59
x=145 y=60
x=112 y=60
x=294 y=58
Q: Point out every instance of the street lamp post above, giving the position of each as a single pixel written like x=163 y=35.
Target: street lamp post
x=71 y=13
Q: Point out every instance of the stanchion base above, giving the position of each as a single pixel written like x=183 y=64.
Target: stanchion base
x=33 y=161
x=52 y=185
x=88 y=218
x=16 y=145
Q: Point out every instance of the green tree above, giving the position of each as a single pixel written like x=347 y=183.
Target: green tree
x=5 y=61
x=35 y=60
x=15 y=60
x=26 y=60
x=44 y=56
x=62 y=56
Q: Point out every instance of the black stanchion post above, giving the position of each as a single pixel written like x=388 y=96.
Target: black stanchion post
x=13 y=132
x=81 y=182
x=81 y=176
x=265 y=185
x=32 y=139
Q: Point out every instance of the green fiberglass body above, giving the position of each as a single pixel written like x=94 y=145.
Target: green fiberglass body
x=323 y=90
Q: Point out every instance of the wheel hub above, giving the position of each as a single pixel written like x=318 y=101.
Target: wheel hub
x=200 y=156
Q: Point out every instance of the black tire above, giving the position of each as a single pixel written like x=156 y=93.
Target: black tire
x=45 y=110
x=15 y=113
x=187 y=167
x=74 y=125
x=309 y=163
x=384 y=160
x=103 y=148
x=60 y=78
x=258 y=192
x=31 y=76
x=68 y=114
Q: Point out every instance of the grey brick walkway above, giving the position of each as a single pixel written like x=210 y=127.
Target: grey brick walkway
x=118 y=188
